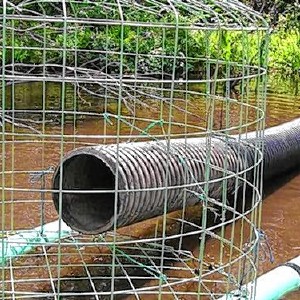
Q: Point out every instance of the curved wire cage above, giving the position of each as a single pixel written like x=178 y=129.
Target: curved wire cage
x=167 y=205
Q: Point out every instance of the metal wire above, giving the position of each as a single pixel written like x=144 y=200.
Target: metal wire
x=82 y=73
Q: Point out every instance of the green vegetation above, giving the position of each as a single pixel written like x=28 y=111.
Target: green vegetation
x=284 y=55
x=284 y=48
x=149 y=48
x=285 y=13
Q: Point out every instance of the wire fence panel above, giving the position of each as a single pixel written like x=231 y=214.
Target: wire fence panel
x=131 y=148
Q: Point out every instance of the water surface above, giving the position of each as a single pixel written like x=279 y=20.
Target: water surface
x=280 y=218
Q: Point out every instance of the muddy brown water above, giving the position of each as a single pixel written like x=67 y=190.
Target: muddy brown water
x=280 y=210
x=280 y=217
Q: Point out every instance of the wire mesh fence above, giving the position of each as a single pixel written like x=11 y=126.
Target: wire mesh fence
x=128 y=169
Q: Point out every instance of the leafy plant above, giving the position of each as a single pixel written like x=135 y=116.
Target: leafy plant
x=148 y=47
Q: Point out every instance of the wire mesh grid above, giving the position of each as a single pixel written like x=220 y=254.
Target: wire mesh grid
x=169 y=90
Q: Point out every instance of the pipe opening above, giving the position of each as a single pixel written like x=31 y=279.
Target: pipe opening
x=86 y=212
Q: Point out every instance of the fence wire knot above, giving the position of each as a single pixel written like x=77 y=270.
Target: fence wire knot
x=36 y=176
x=265 y=246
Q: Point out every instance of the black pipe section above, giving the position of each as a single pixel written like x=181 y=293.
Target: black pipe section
x=145 y=179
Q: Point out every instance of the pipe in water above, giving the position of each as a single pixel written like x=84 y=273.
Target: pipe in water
x=26 y=240
x=272 y=285
x=152 y=177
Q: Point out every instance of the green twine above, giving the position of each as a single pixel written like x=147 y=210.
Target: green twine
x=151 y=125
x=148 y=269
x=145 y=267
x=107 y=119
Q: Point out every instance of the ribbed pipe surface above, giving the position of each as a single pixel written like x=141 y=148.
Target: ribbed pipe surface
x=154 y=177
x=281 y=148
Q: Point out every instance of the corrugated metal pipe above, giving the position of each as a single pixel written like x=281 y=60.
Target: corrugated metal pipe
x=153 y=177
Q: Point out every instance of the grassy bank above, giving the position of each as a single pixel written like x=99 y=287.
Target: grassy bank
x=147 y=49
x=284 y=52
